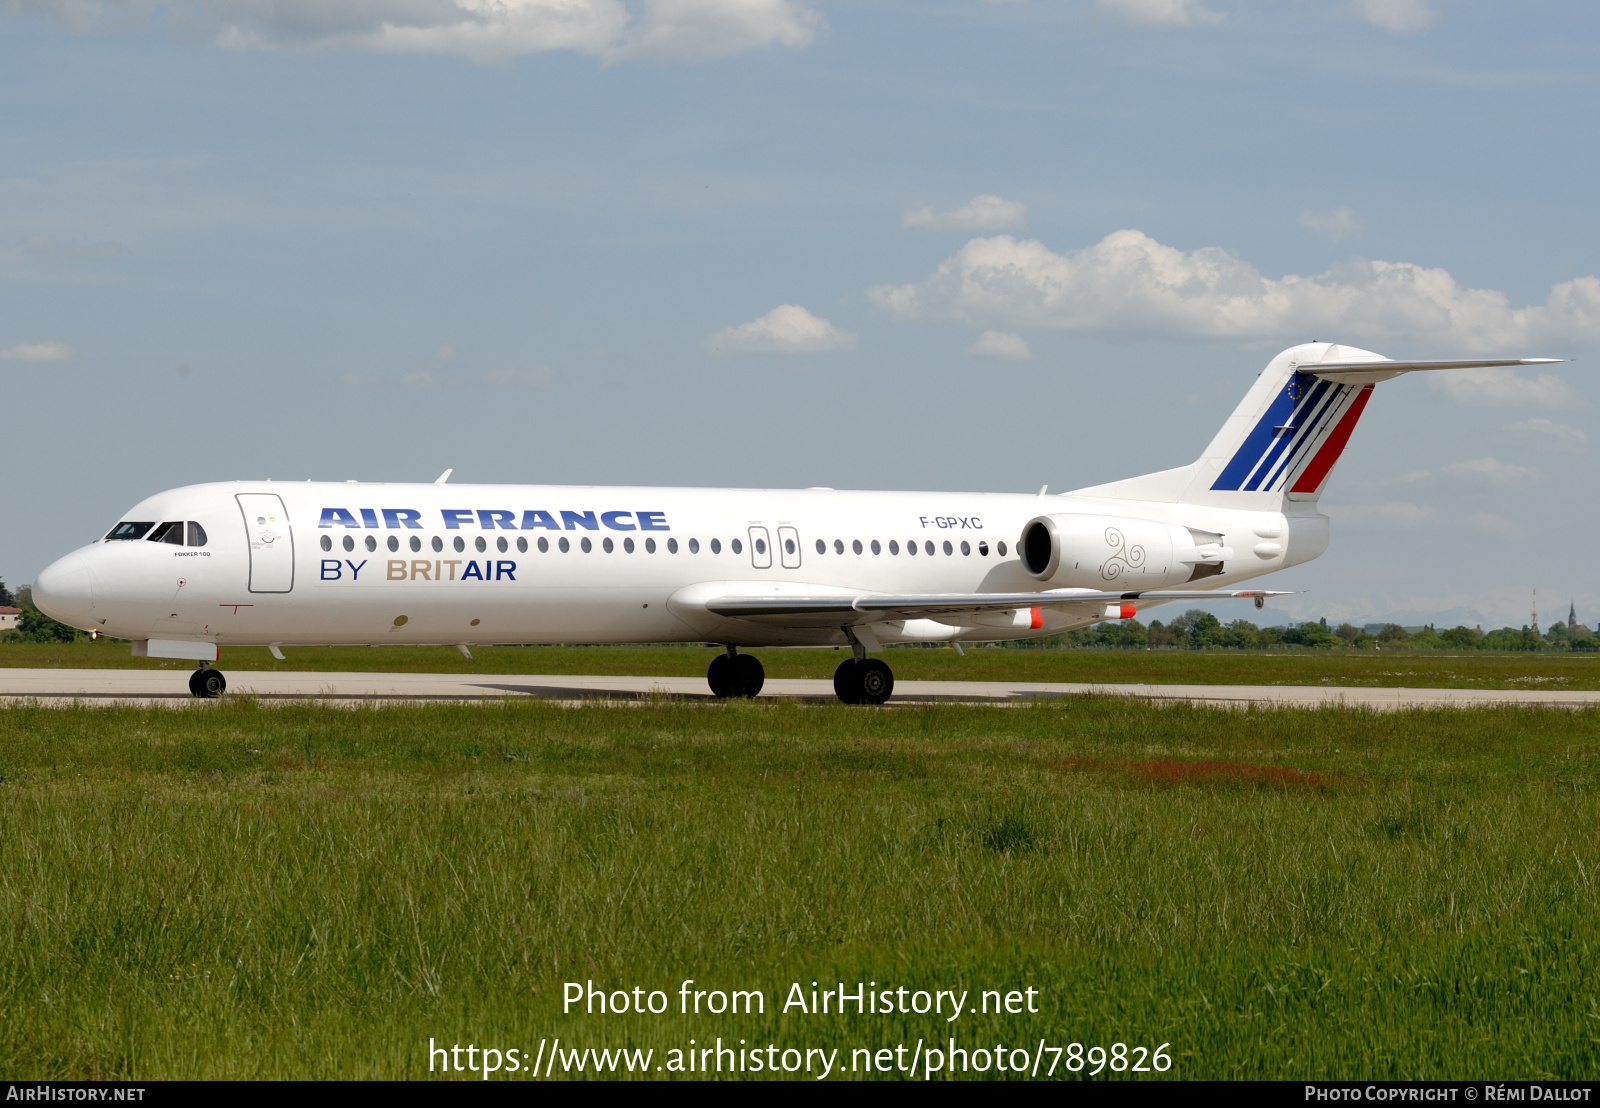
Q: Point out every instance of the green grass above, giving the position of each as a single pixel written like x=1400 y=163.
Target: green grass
x=303 y=891
x=1443 y=669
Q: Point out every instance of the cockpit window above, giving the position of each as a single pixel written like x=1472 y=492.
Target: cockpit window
x=128 y=530
x=197 y=534
x=168 y=533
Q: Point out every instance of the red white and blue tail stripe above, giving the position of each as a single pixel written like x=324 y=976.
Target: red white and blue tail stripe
x=1296 y=442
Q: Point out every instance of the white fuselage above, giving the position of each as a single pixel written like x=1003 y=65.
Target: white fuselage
x=463 y=564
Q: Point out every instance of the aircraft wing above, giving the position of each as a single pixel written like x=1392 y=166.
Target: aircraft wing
x=873 y=608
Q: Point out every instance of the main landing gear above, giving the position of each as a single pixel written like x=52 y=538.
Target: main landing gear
x=208 y=684
x=867 y=681
x=735 y=674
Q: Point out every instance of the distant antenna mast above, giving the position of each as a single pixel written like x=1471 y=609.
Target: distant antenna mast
x=1535 y=611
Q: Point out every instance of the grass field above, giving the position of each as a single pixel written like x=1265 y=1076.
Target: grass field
x=303 y=891
x=1442 y=669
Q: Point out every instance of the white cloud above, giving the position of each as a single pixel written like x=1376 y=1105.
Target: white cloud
x=1159 y=13
x=1335 y=224
x=36 y=352
x=1493 y=388
x=1003 y=345
x=1397 y=15
x=1548 y=434
x=489 y=32
x=692 y=30
x=1128 y=283
x=1489 y=471
x=981 y=213
x=786 y=329
x=539 y=377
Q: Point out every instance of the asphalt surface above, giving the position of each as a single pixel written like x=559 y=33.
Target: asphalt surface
x=170 y=687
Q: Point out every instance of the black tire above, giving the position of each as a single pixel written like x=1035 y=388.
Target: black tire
x=847 y=682
x=747 y=667
x=723 y=677
x=208 y=684
x=876 y=681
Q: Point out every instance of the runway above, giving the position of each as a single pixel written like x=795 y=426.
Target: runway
x=168 y=687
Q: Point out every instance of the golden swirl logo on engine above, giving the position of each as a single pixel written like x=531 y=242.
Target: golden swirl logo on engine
x=1122 y=557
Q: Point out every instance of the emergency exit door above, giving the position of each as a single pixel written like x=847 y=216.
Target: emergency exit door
x=266 y=525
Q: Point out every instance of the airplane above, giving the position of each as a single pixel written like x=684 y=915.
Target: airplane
x=188 y=571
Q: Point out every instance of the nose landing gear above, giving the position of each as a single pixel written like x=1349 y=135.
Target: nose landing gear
x=734 y=674
x=207 y=684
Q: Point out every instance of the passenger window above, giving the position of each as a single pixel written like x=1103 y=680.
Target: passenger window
x=736 y=546
x=500 y=544
x=894 y=547
x=911 y=548
x=416 y=543
x=966 y=550
x=983 y=548
x=588 y=547
x=1000 y=548
x=838 y=546
x=627 y=546
x=649 y=545
x=171 y=533
x=197 y=534
x=481 y=545
x=327 y=543
x=716 y=546
x=876 y=549
x=788 y=545
x=349 y=543
x=761 y=546
x=394 y=544
x=564 y=544
x=438 y=544
x=694 y=546
x=459 y=544
x=522 y=545
x=672 y=546
x=822 y=547
x=125 y=531
x=948 y=549
x=372 y=543
x=606 y=543
x=544 y=545
x=927 y=548
x=855 y=544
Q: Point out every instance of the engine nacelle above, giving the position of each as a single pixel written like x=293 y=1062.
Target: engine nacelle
x=1117 y=552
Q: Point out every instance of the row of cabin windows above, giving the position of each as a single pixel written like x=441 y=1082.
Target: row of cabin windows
x=176 y=532
x=928 y=547
x=585 y=544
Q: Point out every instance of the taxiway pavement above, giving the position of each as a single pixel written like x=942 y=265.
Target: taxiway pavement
x=169 y=687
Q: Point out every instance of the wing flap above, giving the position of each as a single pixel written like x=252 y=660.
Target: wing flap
x=866 y=608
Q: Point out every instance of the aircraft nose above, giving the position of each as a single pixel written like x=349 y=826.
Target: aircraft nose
x=64 y=591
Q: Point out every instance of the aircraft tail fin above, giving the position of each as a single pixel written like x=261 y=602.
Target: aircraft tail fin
x=1282 y=441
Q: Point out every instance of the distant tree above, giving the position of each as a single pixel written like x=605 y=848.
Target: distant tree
x=1269 y=636
x=1348 y=632
x=6 y=599
x=1426 y=639
x=1461 y=638
x=1509 y=638
x=1310 y=634
x=1392 y=634
x=1157 y=634
x=1243 y=635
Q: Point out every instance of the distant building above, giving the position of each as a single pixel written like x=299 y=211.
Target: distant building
x=1572 y=616
x=8 y=618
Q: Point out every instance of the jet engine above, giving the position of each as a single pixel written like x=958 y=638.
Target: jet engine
x=1118 y=552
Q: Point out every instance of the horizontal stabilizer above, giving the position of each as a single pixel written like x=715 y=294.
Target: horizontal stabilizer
x=1382 y=369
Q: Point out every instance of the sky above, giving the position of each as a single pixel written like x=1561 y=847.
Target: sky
x=949 y=244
